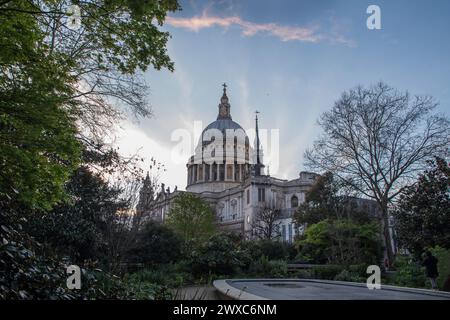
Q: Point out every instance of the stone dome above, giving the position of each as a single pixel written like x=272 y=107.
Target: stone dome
x=223 y=124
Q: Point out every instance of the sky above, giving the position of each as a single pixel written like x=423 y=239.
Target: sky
x=290 y=60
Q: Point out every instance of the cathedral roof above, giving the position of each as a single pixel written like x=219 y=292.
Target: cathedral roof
x=223 y=124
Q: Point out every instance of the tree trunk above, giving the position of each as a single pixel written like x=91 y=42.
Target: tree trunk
x=389 y=254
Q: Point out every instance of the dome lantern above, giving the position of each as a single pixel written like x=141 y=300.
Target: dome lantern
x=224 y=106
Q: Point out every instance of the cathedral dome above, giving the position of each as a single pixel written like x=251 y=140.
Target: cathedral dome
x=223 y=124
x=221 y=160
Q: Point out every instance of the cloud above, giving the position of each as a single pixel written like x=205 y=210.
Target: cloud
x=282 y=32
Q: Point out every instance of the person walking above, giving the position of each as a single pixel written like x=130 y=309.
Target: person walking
x=430 y=264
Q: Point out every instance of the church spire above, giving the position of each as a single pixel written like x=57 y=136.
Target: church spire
x=224 y=106
x=258 y=160
x=258 y=165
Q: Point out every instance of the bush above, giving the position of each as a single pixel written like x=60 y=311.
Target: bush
x=217 y=256
x=304 y=274
x=340 y=241
x=409 y=273
x=443 y=256
x=155 y=244
x=171 y=275
x=346 y=275
x=266 y=268
x=274 y=250
x=147 y=291
x=354 y=273
x=326 y=272
x=359 y=269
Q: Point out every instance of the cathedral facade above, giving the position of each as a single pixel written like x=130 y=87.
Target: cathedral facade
x=228 y=173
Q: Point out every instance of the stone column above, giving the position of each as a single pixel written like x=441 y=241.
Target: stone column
x=189 y=174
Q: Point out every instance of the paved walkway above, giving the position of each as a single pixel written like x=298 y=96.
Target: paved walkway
x=299 y=289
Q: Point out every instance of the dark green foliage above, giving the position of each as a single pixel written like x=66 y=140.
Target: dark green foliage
x=409 y=273
x=327 y=272
x=38 y=148
x=346 y=275
x=216 y=256
x=328 y=199
x=341 y=241
x=443 y=256
x=56 y=85
x=155 y=244
x=353 y=273
x=168 y=275
x=78 y=227
x=226 y=255
x=30 y=270
x=24 y=272
x=423 y=213
x=274 y=250
x=266 y=268
x=338 y=230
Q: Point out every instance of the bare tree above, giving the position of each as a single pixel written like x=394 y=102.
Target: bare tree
x=376 y=140
x=266 y=224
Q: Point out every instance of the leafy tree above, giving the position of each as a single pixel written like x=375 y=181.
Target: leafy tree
x=338 y=230
x=155 y=244
x=106 y=55
x=192 y=218
x=60 y=89
x=341 y=241
x=58 y=83
x=375 y=139
x=422 y=217
x=38 y=148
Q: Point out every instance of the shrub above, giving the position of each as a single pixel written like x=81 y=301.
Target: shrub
x=409 y=273
x=304 y=274
x=266 y=268
x=274 y=250
x=341 y=241
x=303 y=257
x=326 y=272
x=171 y=275
x=443 y=256
x=155 y=244
x=359 y=269
x=217 y=256
x=346 y=275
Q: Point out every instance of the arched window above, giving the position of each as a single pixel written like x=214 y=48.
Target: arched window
x=294 y=201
